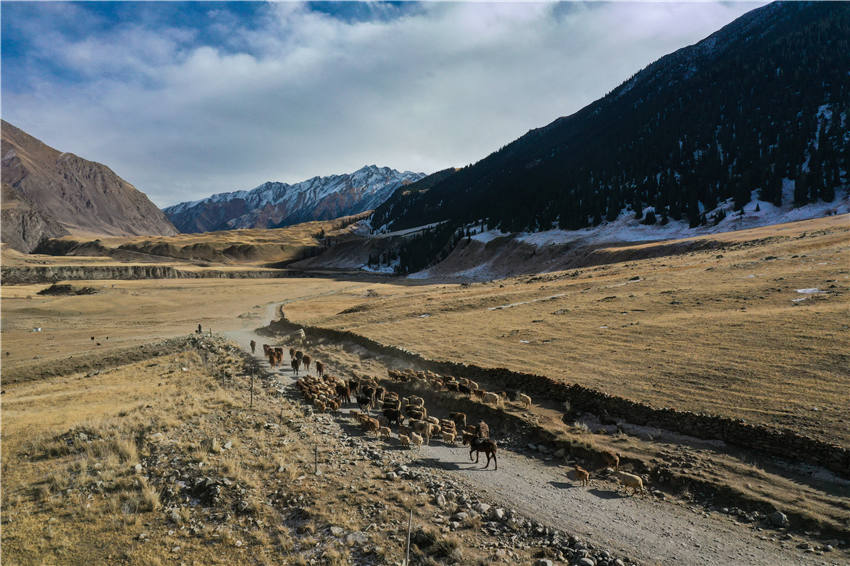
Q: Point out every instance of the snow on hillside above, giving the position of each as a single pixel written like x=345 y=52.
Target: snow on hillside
x=627 y=229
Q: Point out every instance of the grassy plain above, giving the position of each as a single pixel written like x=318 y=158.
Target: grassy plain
x=722 y=330
x=725 y=330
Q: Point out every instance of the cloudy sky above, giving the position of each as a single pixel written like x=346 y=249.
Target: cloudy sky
x=187 y=99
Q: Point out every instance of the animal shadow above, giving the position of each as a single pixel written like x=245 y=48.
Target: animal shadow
x=563 y=485
x=605 y=493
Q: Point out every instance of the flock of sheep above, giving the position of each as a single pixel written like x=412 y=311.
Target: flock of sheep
x=414 y=426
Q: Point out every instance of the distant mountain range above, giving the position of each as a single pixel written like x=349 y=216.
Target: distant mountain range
x=758 y=110
x=274 y=205
x=48 y=193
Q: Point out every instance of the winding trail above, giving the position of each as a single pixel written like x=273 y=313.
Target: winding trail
x=646 y=529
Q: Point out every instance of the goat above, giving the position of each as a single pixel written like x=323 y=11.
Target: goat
x=404 y=440
x=393 y=416
x=292 y=352
x=449 y=437
x=371 y=425
x=306 y=361
x=253 y=346
x=582 y=475
x=299 y=354
x=630 y=480
x=343 y=393
x=320 y=368
x=478 y=445
x=296 y=365
x=384 y=432
x=483 y=429
x=524 y=400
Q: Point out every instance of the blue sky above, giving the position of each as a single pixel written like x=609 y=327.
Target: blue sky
x=185 y=99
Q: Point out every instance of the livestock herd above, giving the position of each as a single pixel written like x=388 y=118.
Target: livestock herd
x=379 y=410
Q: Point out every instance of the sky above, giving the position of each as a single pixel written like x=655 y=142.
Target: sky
x=188 y=99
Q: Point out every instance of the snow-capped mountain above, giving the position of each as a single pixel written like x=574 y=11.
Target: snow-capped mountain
x=273 y=204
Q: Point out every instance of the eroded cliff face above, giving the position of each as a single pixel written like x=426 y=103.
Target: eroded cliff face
x=23 y=226
x=51 y=193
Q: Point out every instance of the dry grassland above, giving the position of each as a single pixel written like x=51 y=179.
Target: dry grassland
x=165 y=461
x=135 y=312
x=721 y=331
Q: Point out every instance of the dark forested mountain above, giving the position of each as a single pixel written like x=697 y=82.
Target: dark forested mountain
x=273 y=204
x=759 y=106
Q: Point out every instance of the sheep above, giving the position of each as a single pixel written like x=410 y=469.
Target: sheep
x=630 y=480
x=524 y=400
x=449 y=437
x=306 y=361
x=459 y=419
x=384 y=432
x=416 y=439
x=422 y=428
x=491 y=398
x=432 y=420
x=404 y=440
x=320 y=368
x=292 y=352
x=370 y=425
x=483 y=429
x=611 y=460
x=393 y=416
x=582 y=475
x=343 y=392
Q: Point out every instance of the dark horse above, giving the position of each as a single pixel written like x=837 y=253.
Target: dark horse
x=478 y=445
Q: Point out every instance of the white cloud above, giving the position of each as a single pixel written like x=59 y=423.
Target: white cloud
x=309 y=94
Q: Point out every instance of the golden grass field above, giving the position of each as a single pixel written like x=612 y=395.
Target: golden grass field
x=722 y=331
x=94 y=467
x=718 y=331
x=241 y=248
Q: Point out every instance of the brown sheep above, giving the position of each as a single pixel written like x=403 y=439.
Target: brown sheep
x=370 y=425
x=459 y=419
x=404 y=440
x=384 y=432
x=490 y=398
x=415 y=439
x=306 y=361
x=582 y=475
x=320 y=368
x=449 y=437
x=611 y=460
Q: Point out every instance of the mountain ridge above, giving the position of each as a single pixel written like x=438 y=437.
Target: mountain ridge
x=48 y=193
x=756 y=108
x=275 y=204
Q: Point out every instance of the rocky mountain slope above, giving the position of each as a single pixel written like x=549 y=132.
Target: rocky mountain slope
x=755 y=112
x=55 y=192
x=273 y=204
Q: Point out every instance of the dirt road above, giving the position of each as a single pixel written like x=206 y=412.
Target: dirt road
x=642 y=527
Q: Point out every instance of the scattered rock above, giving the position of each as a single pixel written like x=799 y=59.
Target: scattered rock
x=778 y=519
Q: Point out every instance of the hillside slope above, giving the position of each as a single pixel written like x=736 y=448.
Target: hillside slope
x=274 y=205
x=77 y=194
x=757 y=110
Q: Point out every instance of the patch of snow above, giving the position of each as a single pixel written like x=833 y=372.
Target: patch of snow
x=809 y=291
x=512 y=305
x=488 y=236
